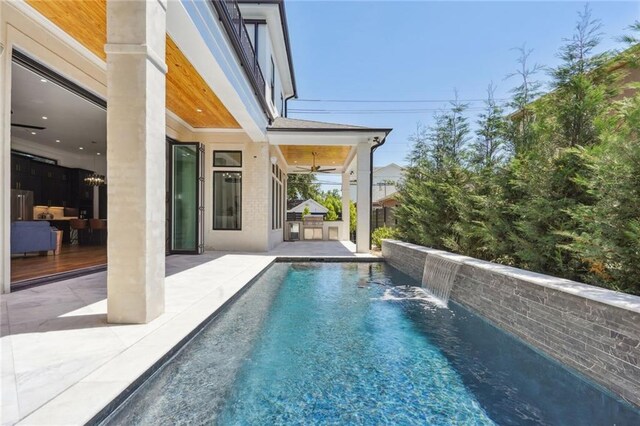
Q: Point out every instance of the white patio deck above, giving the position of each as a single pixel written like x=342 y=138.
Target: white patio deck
x=62 y=362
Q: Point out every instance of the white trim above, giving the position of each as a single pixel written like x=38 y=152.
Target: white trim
x=281 y=155
x=217 y=130
x=348 y=161
x=32 y=13
x=137 y=49
x=271 y=13
x=231 y=88
x=179 y=119
x=192 y=129
x=325 y=138
x=5 y=167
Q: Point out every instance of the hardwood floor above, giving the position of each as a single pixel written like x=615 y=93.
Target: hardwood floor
x=70 y=258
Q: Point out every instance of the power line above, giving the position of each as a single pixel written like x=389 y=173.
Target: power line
x=375 y=110
x=395 y=100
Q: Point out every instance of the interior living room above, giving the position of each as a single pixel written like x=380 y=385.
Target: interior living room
x=58 y=185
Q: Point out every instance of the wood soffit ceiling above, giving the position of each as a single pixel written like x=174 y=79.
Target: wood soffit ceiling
x=187 y=92
x=301 y=155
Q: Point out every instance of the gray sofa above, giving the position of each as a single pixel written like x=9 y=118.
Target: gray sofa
x=29 y=236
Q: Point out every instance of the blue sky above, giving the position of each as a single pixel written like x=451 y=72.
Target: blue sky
x=393 y=50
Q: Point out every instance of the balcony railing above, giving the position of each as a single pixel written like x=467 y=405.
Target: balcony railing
x=231 y=18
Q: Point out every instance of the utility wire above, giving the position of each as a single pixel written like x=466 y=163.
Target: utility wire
x=377 y=110
x=394 y=100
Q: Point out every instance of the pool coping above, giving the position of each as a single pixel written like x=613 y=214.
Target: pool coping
x=329 y=259
x=101 y=398
x=115 y=403
x=617 y=299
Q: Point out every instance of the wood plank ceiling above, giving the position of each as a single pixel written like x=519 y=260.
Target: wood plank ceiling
x=302 y=155
x=188 y=95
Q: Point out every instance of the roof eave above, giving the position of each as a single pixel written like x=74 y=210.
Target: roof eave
x=285 y=32
x=324 y=129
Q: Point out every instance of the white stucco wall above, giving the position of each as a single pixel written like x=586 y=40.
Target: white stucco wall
x=255 y=199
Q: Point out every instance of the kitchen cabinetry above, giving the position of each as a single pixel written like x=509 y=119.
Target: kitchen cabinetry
x=53 y=185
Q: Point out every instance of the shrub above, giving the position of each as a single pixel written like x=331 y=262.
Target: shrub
x=381 y=233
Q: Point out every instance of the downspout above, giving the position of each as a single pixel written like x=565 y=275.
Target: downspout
x=373 y=149
x=286 y=106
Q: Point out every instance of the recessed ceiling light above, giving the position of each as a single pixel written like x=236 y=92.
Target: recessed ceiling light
x=58 y=140
x=98 y=154
x=44 y=80
x=198 y=110
x=81 y=148
x=33 y=133
x=44 y=117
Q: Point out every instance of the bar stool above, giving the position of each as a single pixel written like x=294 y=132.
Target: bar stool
x=75 y=227
x=98 y=226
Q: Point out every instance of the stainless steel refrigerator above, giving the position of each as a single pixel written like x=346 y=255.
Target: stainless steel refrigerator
x=21 y=205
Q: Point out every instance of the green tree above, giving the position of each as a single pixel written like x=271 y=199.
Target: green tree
x=433 y=197
x=608 y=241
x=487 y=149
x=555 y=189
x=302 y=186
x=523 y=95
x=331 y=213
x=582 y=84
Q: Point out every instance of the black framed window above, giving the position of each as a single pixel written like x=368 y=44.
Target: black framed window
x=277 y=198
x=227 y=158
x=227 y=200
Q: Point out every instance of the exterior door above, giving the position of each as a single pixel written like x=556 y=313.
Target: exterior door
x=186 y=197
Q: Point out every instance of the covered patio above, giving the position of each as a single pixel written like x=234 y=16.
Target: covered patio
x=316 y=147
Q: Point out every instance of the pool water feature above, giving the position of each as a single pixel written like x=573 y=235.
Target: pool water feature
x=439 y=275
x=333 y=343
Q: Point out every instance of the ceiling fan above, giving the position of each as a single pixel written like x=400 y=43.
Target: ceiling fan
x=314 y=168
x=27 y=126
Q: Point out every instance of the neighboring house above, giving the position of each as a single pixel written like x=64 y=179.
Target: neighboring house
x=196 y=93
x=315 y=208
x=384 y=181
x=384 y=187
x=619 y=63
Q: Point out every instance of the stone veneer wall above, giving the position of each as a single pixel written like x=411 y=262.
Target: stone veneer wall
x=591 y=329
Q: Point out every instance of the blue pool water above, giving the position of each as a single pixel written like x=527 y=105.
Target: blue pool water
x=350 y=344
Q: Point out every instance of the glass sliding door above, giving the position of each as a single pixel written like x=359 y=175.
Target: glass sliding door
x=186 y=192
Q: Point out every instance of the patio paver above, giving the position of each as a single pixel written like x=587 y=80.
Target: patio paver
x=62 y=362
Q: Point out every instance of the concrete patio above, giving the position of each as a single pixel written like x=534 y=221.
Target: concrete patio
x=318 y=249
x=62 y=362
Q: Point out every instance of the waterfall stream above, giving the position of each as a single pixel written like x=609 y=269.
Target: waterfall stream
x=439 y=275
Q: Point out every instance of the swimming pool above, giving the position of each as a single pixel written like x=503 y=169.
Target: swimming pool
x=358 y=343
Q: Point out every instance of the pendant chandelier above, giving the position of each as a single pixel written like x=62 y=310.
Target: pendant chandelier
x=94 y=179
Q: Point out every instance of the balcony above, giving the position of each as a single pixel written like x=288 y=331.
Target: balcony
x=231 y=18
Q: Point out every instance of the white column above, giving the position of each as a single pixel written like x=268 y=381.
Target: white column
x=5 y=163
x=136 y=159
x=346 y=201
x=363 y=199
